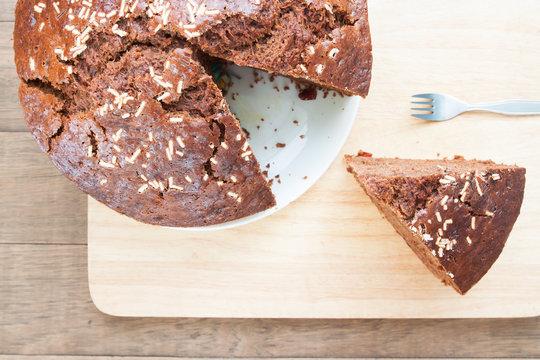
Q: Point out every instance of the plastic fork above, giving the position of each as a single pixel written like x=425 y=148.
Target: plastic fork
x=445 y=107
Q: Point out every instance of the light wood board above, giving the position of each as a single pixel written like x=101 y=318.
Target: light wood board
x=330 y=254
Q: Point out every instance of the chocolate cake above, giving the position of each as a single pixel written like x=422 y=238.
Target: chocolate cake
x=120 y=93
x=454 y=214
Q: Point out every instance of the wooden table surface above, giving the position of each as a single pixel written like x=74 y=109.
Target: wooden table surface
x=45 y=306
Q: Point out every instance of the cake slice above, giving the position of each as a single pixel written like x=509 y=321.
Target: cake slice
x=454 y=214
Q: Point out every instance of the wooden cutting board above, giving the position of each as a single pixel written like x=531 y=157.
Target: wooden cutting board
x=330 y=254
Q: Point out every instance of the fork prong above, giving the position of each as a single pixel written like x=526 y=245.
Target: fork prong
x=423 y=116
x=430 y=103
x=424 y=96
x=430 y=109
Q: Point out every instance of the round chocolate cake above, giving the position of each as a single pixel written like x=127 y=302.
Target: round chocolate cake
x=121 y=97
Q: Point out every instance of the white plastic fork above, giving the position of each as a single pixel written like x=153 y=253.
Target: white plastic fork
x=445 y=107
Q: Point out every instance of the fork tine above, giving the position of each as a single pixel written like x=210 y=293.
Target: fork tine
x=423 y=116
x=424 y=96
x=430 y=109
x=430 y=103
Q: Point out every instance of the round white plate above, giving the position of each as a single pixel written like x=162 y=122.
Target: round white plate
x=313 y=132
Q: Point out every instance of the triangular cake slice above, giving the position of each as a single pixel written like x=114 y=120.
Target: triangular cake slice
x=454 y=214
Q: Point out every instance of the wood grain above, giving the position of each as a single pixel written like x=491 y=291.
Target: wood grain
x=7 y=10
x=42 y=205
x=11 y=114
x=329 y=254
x=46 y=309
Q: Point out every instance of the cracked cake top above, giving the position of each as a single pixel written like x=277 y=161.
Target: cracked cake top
x=120 y=96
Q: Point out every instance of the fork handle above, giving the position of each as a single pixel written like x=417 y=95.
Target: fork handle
x=510 y=107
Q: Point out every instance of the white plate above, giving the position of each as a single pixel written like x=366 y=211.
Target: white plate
x=313 y=132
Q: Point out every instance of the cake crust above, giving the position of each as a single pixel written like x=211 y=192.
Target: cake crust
x=119 y=95
x=455 y=215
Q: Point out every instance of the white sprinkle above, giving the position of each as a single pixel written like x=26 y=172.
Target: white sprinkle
x=167 y=64
x=32 y=64
x=114 y=160
x=176 y=119
x=179 y=87
x=179 y=153
x=152 y=74
x=56 y=8
x=106 y=164
x=446 y=222
x=329 y=8
x=238 y=137
x=134 y=6
x=245 y=146
x=161 y=186
x=440 y=232
x=144 y=166
x=159 y=80
x=212 y=12
x=469 y=241
x=37 y=9
x=450 y=274
x=303 y=68
x=180 y=142
x=478 y=187
x=444 y=200
x=125 y=115
x=441 y=252
x=163 y=96
x=171 y=146
x=496 y=177
x=157 y=28
x=319 y=69
x=438 y=216
x=489 y=213
x=247 y=153
x=473 y=222
x=154 y=184
x=70 y=69
x=169 y=155
x=311 y=49
x=140 y=108
x=41 y=26
x=103 y=181
x=433 y=252
x=232 y=194
x=143 y=188
x=90 y=151
x=233 y=178
x=188 y=179
x=114 y=92
x=116 y=136
x=148 y=155
x=133 y=157
x=426 y=237
x=205 y=177
x=213 y=161
x=219 y=183
x=429 y=221
x=332 y=53
x=172 y=186
x=117 y=31
x=224 y=145
x=144 y=177
x=151 y=136
x=465 y=187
